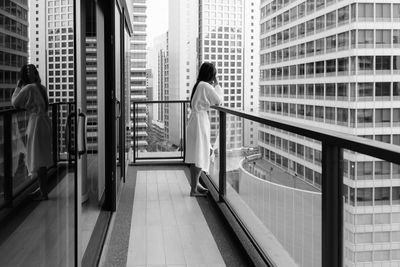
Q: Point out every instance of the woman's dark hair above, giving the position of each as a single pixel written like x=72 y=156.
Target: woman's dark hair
x=29 y=74
x=207 y=73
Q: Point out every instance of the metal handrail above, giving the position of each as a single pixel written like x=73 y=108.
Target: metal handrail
x=13 y=110
x=384 y=151
x=333 y=145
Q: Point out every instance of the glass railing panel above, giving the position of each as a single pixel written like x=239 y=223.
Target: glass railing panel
x=215 y=148
x=274 y=186
x=371 y=219
x=2 y=200
x=158 y=131
x=20 y=174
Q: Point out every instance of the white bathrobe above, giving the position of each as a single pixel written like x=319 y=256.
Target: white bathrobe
x=198 y=128
x=39 y=152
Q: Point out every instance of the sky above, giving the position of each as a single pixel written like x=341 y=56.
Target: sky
x=157 y=19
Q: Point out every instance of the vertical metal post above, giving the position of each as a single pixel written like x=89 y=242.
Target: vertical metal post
x=54 y=122
x=134 y=132
x=69 y=133
x=8 y=176
x=332 y=205
x=222 y=155
x=184 y=131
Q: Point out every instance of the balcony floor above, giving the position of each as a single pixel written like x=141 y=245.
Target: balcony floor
x=161 y=225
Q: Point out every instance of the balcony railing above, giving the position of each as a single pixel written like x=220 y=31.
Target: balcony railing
x=292 y=200
x=158 y=131
x=14 y=175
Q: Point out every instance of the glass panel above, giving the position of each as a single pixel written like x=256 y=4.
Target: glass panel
x=157 y=137
x=276 y=191
x=35 y=231
x=371 y=198
x=20 y=174
x=2 y=200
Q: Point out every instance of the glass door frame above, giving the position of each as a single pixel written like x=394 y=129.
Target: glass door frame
x=106 y=42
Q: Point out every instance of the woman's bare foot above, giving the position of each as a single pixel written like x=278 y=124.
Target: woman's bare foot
x=196 y=193
x=201 y=189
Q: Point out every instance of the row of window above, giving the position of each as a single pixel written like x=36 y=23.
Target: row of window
x=62 y=93
x=360 y=11
x=296 y=168
x=13 y=26
x=61 y=10
x=59 y=24
x=59 y=3
x=58 y=31
x=372 y=196
x=332 y=67
x=356 y=118
x=330 y=20
x=9 y=77
x=13 y=43
x=12 y=60
x=380 y=38
x=62 y=37
x=12 y=8
x=57 y=52
x=369 y=170
x=63 y=73
x=375 y=218
x=372 y=237
x=366 y=91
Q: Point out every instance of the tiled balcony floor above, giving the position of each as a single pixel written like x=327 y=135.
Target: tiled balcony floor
x=167 y=226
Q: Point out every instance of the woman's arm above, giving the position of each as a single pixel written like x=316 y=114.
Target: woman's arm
x=20 y=96
x=215 y=94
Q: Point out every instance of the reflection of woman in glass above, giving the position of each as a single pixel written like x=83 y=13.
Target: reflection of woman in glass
x=206 y=92
x=31 y=95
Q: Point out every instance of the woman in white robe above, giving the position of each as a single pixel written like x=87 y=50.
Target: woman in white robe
x=206 y=93
x=31 y=95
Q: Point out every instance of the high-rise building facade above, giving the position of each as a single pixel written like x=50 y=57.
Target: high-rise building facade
x=182 y=60
x=227 y=38
x=336 y=65
x=161 y=77
x=52 y=46
x=138 y=73
x=13 y=46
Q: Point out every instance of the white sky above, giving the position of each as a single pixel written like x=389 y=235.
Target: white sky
x=157 y=19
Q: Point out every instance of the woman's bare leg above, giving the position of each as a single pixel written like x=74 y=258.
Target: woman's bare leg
x=42 y=177
x=194 y=181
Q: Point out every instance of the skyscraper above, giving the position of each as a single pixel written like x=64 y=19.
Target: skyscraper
x=226 y=38
x=161 y=76
x=182 y=59
x=215 y=32
x=335 y=64
x=52 y=46
x=13 y=46
x=138 y=72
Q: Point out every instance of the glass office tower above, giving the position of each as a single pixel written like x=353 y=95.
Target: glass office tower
x=13 y=44
x=335 y=64
x=138 y=72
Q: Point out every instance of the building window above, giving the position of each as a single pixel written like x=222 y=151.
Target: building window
x=343 y=15
x=364 y=196
x=365 y=63
x=383 y=12
x=365 y=11
x=365 y=38
x=382 y=63
x=382 y=38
